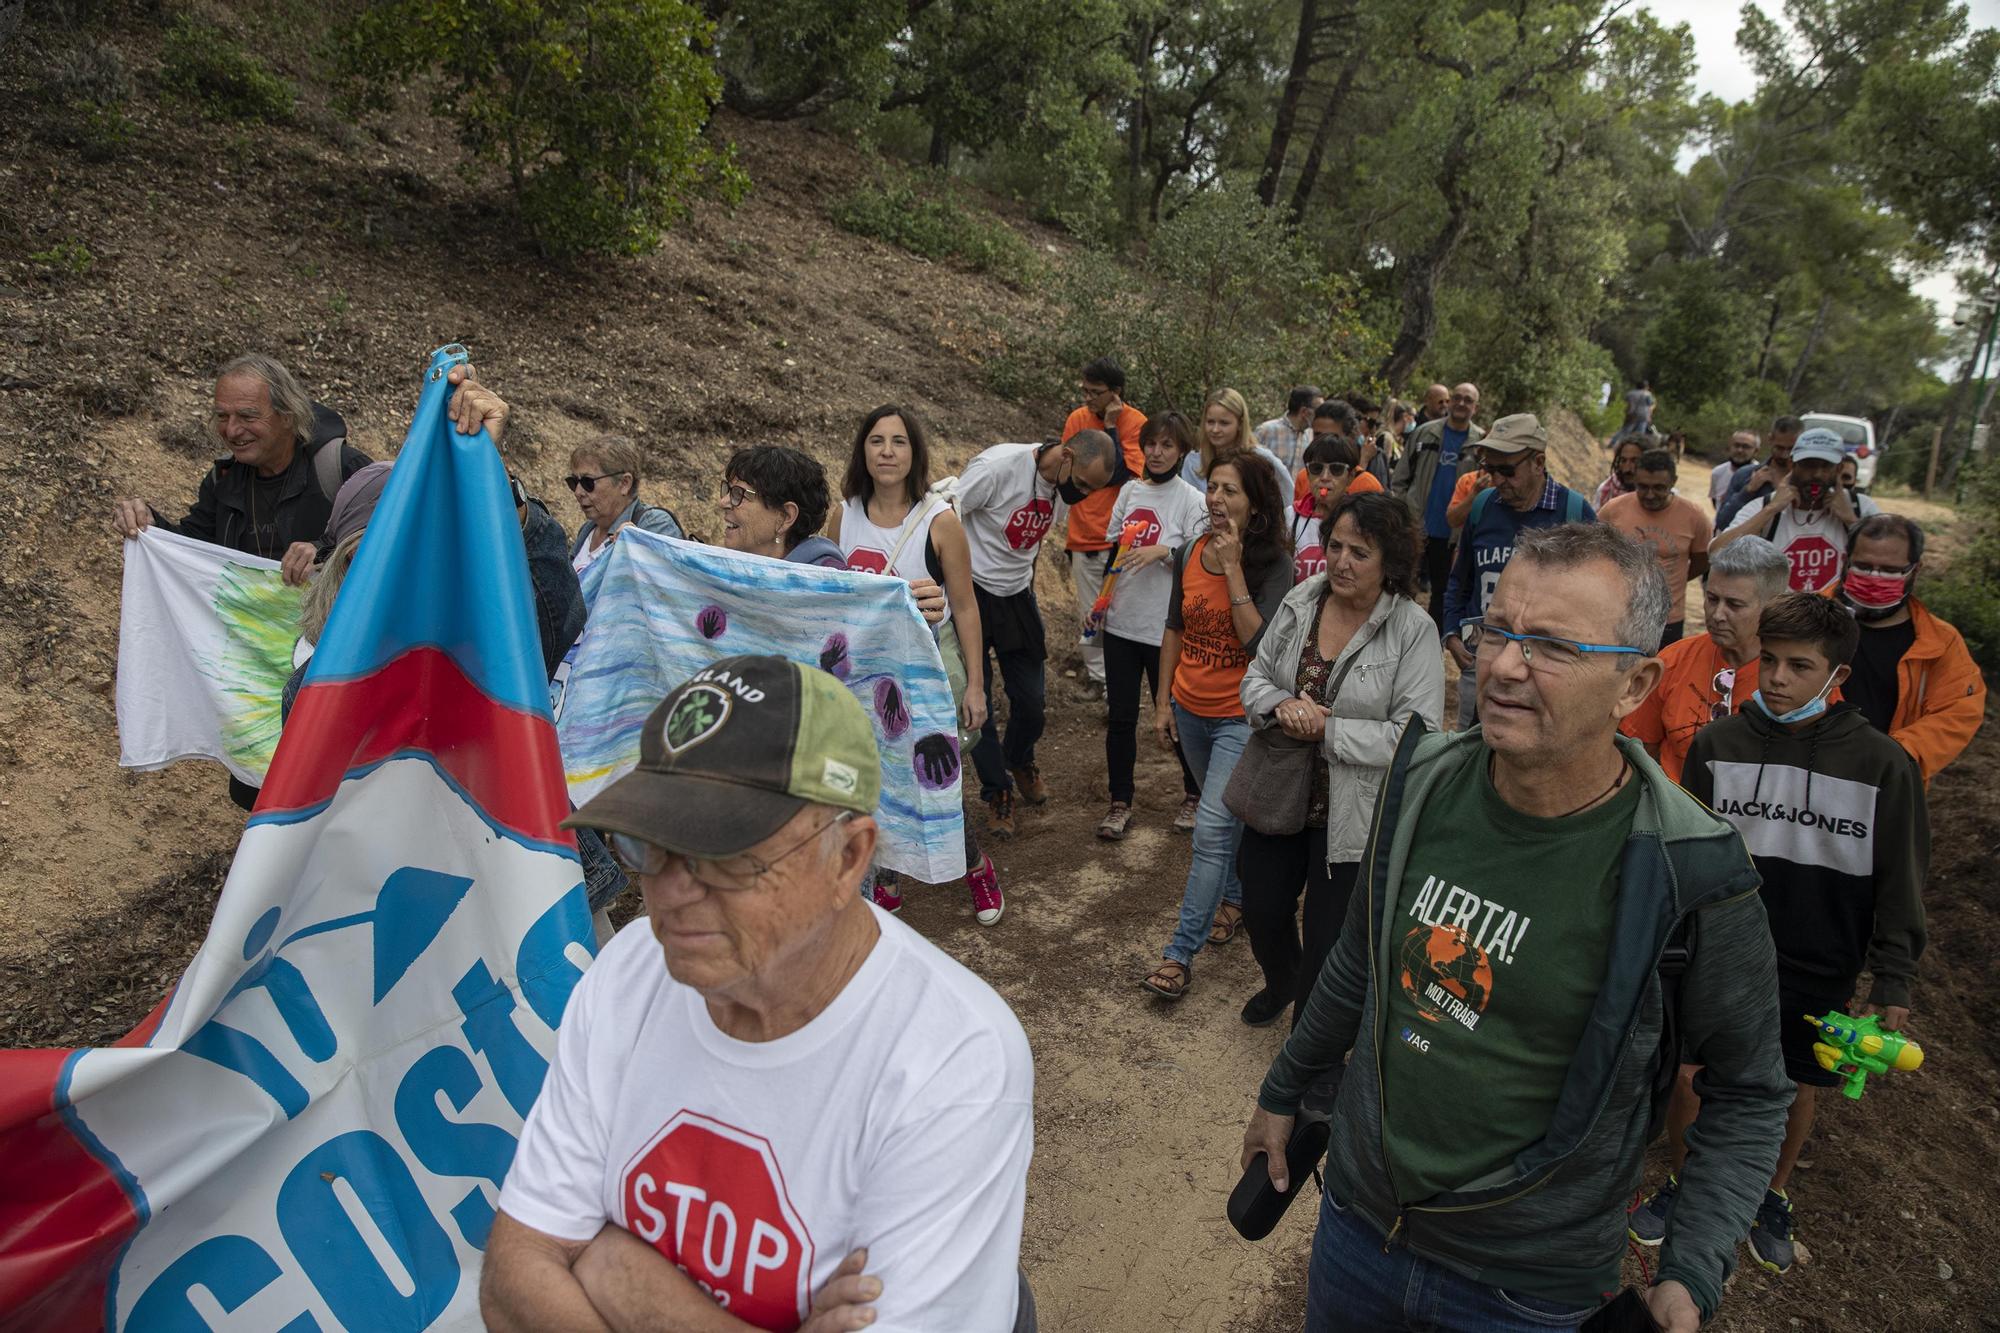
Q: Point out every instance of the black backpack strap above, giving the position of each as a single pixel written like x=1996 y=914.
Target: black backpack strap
x=328 y=442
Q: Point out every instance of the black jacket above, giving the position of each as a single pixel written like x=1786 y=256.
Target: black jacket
x=222 y=508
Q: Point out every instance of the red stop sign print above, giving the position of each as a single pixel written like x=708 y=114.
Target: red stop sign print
x=1815 y=563
x=1309 y=560
x=711 y=1197
x=868 y=560
x=1026 y=525
x=1146 y=535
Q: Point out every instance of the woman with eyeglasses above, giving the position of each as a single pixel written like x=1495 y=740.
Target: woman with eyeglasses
x=1345 y=663
x=773 y=501
x=604 y=478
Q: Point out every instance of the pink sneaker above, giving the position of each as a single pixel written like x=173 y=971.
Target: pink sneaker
x=987 y=904
x=883 y=893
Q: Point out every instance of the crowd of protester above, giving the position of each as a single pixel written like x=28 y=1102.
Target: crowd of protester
x=1709 y=834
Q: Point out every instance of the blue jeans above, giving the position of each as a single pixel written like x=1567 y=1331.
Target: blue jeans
x=1212 y=746
x=1354 y=1287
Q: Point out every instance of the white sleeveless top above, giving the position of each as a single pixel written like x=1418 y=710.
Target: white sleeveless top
x=867 y=548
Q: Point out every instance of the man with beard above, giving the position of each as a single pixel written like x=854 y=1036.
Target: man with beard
x=1742 y=453
x=1676 y=529
x=1807 y=515
x=1757 y=482
x=1712 y=675
x=1913 y=677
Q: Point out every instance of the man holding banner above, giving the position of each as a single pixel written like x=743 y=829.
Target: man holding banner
x=672 y=1165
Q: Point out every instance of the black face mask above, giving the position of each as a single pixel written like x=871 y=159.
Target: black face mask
x=1071 y=492
x=1168 y=475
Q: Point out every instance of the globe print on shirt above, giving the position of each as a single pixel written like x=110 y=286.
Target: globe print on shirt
x=1446 y=975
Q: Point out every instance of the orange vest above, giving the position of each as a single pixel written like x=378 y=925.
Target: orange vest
x=1090 y=515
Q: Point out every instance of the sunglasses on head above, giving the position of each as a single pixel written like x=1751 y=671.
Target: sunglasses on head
x=589 y=484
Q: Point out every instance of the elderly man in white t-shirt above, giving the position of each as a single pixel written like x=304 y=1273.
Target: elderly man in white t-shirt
x=773 y=1106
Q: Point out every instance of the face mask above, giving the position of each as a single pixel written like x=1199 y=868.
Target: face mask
x=1070 y=492
x=1805 y=712
x=1157 y=477
x=1874 y=596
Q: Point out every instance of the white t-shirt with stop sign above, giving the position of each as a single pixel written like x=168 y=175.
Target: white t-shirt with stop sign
x=900 y=1119
x=1174 y=514
x=1814 y=541
x=1007 y=509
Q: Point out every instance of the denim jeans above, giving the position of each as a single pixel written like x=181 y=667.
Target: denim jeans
x=1353 y=1287
x=1212 y=745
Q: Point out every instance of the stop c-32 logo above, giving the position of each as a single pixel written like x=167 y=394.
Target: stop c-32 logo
x=1027 y=525
x=1149 y=535
x=711 y=1197
x=868 y=560
x=1815 y=563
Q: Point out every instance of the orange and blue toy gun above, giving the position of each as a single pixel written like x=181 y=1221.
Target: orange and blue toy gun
x=1093 y=622
x=1854 y=1048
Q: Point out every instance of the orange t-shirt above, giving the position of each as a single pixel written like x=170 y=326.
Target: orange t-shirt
x=1684 y=700
x=1088 y=516
x=1676 y=534
x=1210 y=675
x=1362 y=483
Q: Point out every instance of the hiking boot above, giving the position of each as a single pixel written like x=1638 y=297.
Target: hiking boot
x=1112 y=827
x=1647 y=1223
x=882 y=892
x=1771 y=1233
x=1000 y=815
x=1184 y=821
x=1264 y=1008
x=984 y=881
x=1028 y=781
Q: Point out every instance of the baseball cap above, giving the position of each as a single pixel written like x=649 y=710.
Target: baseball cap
x=354 y=504
x=735 y=752
x=1516 y=434
x=1820 y=443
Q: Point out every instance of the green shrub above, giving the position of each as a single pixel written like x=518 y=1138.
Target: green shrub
x=1227 y=295
x=205 y=67
x=67 y=258
x=84 y=97
x=595 y=108
x=1967 y=591
x=923 y=213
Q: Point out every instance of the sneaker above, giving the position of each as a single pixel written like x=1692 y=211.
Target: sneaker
x=1647 y=1223
x=1028 y=780
x=1771 y=1233
x=1112 y=827
x=1184 y=821
x=1000 y=814
x=987 y=904
x=1263 y=1009
x=883 y=893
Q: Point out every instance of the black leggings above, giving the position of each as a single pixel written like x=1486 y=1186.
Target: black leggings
x=1274 y=871
x=1126 y=663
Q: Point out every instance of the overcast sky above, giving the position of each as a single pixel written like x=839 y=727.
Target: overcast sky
x=1722 y=70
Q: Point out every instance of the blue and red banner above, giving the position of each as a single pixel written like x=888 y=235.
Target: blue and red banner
x=310 y=1132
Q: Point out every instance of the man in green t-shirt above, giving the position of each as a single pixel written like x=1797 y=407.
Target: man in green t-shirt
x=1512 y=1039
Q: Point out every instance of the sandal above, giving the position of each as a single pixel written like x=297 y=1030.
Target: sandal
x=1227 y=918
x=1170 y=980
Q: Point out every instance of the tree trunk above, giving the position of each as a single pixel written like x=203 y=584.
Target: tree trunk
x=1420 y=288
x=1309 y=169
x=1798 y=374
x=1770 y=332
x=1961 y=451
x=1288 y=104
x=940 y=154
x=1139 y=127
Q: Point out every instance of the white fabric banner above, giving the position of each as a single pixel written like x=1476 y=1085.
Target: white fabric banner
x=206 y=637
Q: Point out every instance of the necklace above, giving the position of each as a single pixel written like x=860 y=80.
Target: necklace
x=1616 y=783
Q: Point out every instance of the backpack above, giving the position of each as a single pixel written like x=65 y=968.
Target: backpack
x=1572 y=507
x=328 y=442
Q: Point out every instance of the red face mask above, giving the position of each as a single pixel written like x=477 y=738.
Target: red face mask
x=1876 y=592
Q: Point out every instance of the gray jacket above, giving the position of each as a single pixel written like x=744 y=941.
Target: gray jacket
x=1398 y=671
x=1419 y=463
x=1553 y=1219
x=651 y=518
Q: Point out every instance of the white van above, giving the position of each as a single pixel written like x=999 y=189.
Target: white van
x=1857 y=435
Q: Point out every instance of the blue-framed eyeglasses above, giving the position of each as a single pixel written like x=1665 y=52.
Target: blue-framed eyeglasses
x=1538 y=650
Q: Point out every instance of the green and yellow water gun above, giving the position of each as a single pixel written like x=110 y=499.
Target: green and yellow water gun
x=1854 y=1048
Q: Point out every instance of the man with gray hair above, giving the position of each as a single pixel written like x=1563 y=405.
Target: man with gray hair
x=1706 y=678
x=271 y=496
x=1515 y=1032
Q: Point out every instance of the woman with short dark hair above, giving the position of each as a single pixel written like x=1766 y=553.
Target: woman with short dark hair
x=773 y=501
x=1346 y=661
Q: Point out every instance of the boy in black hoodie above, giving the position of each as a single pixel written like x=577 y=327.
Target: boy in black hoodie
x=1833 y=813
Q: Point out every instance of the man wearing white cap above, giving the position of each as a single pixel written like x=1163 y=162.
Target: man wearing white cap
x=1523 y=495
x=1807 y=516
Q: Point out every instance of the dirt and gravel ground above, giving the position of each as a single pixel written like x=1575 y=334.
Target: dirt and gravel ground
x=350 y=255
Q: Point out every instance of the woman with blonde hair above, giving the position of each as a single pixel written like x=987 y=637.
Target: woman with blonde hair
x=605 y=484
x=1225 y=433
